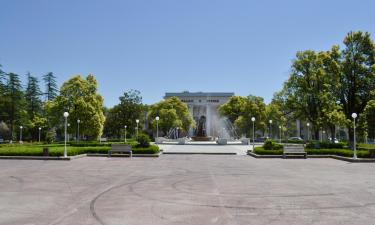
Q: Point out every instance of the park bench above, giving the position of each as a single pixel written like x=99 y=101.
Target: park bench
x=119 y=148
x=294 y=150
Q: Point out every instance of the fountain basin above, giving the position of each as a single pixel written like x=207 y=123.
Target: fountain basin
x=222 y=141
x=199 y=138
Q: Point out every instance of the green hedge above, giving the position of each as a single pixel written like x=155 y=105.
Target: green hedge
x=262 y=151
x=338 y=152
x=58 y=150
x=325 y=145
x=270 y=144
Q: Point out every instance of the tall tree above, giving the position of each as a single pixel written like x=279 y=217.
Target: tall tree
x=357 y=77
x=51 y=86
x=80 y=98
x=126 y=113
x=14 y=101
x=32 y=96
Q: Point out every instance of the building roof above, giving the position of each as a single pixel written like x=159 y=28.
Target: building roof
x=198 y=94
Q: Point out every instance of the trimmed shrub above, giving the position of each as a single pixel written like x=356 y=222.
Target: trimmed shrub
x=325 y=145
x=262 y=151
x=143 y=141
x=270 y=144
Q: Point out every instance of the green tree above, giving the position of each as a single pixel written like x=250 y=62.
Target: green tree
x=356 y=79
x=172 y=113
x=51 y=86
x=13 y=110
x=239 y=110
x=79 y=97
x=126 y=113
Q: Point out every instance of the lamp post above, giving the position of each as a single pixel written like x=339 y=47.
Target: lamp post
x=125 y=132
x=21 y=127
x=270 y=128
x=280 y=134
x=66 y=114
x=137 y=121
x=78 y=121
x=157 y=126
x=308 y=127
x=68 y=132
x=354 y=115
x=253 y=119
x=39 y=133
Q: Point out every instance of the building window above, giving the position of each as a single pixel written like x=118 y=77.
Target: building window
x=187 y=100
x=213 y=100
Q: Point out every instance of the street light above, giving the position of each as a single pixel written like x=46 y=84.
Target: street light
x=125 y=132
x=280 y=133
x=39 y=133
x=308 y=127
x=68 y=132
x=66 y=114
x=253 y=119
x=78 y=121
x=354 y=115
x=137 y=121
x=21 y=134
x=270 y=129
x=157 y=126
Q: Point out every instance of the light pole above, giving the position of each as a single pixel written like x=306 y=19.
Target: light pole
x=68 y=132
x=125 y=132
x=78 y=121
x=137 y=121
x=308 y=127
x=39 y=133
x=354 y=115
x=66 y=114
x=253 y=119
x=270 y=134
x=280 y=134
x=21 y=127
x=157 y=126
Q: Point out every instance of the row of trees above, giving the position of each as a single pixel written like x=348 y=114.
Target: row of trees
x=30 y=107
x=21 y=105
x=323 y=89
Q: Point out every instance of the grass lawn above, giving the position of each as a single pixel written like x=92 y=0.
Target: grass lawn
x=58 y=149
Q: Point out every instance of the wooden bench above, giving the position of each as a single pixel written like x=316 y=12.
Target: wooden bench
x=294 y=150
x=119 y=148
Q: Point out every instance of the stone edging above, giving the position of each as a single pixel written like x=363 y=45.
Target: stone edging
x=70 y=157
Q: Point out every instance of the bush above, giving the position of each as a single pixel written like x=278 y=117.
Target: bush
x=325 y=145
x=143 y=141
x=262 y=151
x=270 y=144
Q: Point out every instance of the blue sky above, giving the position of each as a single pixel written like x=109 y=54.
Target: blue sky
x=162 y=46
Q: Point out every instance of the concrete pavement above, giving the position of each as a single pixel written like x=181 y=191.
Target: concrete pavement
x=188 y=190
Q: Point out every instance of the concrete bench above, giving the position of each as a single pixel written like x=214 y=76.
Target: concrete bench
x=295 y=150
x=119 y=148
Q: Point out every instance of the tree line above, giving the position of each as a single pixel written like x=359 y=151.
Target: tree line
x=324 y=89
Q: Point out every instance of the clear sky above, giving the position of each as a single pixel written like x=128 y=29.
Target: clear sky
x=159 y=46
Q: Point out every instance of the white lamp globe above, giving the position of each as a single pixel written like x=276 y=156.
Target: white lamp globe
x=253 y=119
x=270 y=121
x=66 y=114
x=354 y=115
x=308 y=124
x=157 y=118
x=137 y=121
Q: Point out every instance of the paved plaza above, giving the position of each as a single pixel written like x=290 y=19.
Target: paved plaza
x=187 y=190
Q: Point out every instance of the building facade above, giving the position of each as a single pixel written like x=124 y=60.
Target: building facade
x=203 y=107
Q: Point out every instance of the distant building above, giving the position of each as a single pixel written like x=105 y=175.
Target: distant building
x=203 y=107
